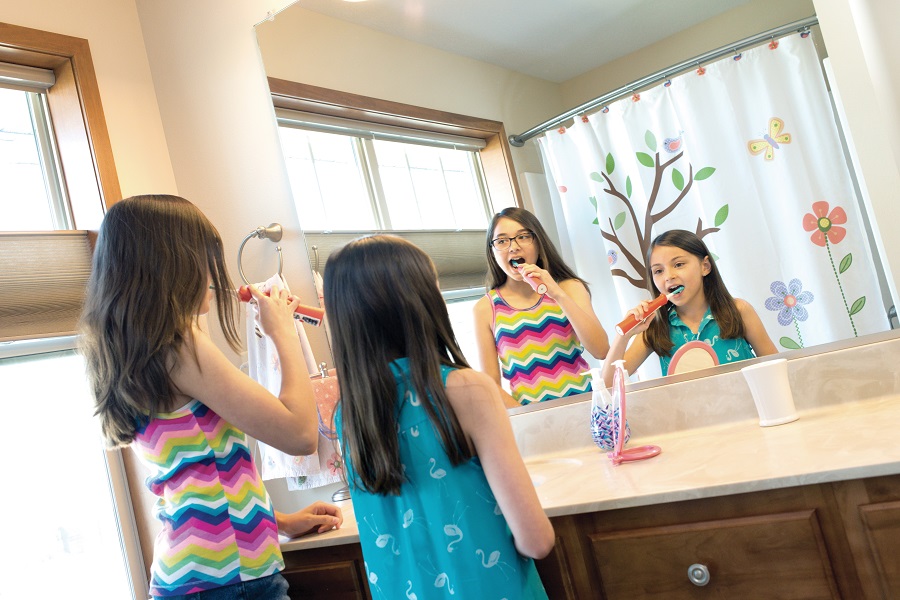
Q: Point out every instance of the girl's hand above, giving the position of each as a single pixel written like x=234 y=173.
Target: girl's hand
x=276 y=311
x=319 y=517
x=639 y=313
x=537 y=275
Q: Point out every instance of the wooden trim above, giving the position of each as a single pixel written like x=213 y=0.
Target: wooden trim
x=87 y=159
x=496 y=157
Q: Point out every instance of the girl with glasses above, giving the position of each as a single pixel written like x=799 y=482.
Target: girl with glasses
x=536 y=320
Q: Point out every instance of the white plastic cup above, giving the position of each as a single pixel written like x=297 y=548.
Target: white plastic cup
x=771 y=391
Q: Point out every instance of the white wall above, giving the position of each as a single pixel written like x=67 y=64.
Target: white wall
x=221 y=132
x=308 y=47
x=123 y=74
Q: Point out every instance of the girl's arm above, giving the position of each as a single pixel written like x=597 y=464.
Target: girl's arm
x=488 y=360
x=487 y=349
x=575 y=301
x=287 y=422
x=476 y=402
x=754 y=330
x=635 y=354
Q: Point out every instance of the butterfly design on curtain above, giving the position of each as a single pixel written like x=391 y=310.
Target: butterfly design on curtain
x=771 y=141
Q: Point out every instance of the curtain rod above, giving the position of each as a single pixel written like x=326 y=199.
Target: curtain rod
x=519 y=140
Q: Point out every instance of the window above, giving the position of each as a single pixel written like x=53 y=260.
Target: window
x=348 y=179
x=74 y=527
x=34 y=197
x=63 y=535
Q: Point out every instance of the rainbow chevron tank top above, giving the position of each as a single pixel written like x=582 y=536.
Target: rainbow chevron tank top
x=539 y=352
x=218 y=524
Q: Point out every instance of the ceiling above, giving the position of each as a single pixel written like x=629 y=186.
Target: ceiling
x=554 y=40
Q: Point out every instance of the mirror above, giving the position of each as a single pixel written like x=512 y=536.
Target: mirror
x=325 y=44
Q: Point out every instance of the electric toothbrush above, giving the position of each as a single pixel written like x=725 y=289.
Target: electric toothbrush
x=311 y=315
x=630 y=322
x=540 y=288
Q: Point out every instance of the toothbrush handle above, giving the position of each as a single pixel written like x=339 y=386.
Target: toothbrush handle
x=540 y=288
x=311 y=315
x=630 y=322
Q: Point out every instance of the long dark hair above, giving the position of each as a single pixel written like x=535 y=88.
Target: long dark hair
x=383 y=303
x=548 y=257
x=150 y=268
x=721 y=303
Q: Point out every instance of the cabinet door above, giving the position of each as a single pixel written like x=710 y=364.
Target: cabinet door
x=769 y=556
x=882 y=525
x=335 y=573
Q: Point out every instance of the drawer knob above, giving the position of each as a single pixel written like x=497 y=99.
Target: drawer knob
x=698 y=574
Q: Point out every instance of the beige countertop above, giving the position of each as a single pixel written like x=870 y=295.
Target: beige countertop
x=834 y=443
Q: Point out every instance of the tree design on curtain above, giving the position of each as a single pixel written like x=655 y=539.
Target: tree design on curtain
x=643 y=224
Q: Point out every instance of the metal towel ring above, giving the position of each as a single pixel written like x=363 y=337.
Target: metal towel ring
x=273 y=232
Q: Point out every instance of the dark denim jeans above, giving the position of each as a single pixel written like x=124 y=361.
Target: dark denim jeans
x=273 y=587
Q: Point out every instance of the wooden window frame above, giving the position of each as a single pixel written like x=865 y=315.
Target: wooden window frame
x=88 y=167
x=496 y=157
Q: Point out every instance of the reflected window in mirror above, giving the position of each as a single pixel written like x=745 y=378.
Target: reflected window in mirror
x=345 y=178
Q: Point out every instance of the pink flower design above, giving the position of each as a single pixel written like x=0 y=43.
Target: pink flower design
x=824 y=224
x=335 y=465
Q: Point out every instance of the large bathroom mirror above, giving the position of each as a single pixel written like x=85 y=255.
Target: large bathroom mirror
x=519 y=64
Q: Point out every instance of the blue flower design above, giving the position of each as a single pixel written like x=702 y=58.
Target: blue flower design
x=789 y=300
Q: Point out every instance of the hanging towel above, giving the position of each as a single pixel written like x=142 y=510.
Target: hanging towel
x=302 y=472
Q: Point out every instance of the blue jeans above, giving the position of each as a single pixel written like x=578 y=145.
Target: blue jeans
x=273 y=587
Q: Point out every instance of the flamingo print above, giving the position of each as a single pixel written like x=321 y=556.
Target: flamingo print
x=436 y=473
x=409 y=593
x=442 y=580
x=494 y=561
x=383 y=539
x=452 y=529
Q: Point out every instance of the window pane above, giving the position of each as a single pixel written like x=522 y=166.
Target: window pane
x=440 y=182
x=61 y=537
x=24 y=203
x=327 y=181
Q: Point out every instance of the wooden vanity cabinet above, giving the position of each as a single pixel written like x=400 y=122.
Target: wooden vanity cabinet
x=820 y=541
x=832 y=540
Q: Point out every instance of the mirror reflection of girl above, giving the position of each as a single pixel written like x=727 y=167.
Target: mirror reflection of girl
x=704 y=311
x=444 y=504
x=162 y=386
x=535 y=340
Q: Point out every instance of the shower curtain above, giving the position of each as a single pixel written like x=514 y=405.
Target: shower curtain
x=745 y=152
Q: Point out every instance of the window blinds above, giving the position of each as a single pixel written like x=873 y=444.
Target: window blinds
x=27 y=79
x=42 y=283
x=458 y=255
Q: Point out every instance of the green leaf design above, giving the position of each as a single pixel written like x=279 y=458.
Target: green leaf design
x=650 y=139
x=645 y=159
x=721 y=215
x=846 y=262
x=714 y=256
x=704 y=173
x=628 y=186
x=858 y=305
x=595 y=222
x=610 y=164
x=789 y=343
x=593 y=200
x=620 y=220
x=678 y=179
x=597 y=177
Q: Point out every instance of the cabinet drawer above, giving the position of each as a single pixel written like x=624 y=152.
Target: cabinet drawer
x=769 y=556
